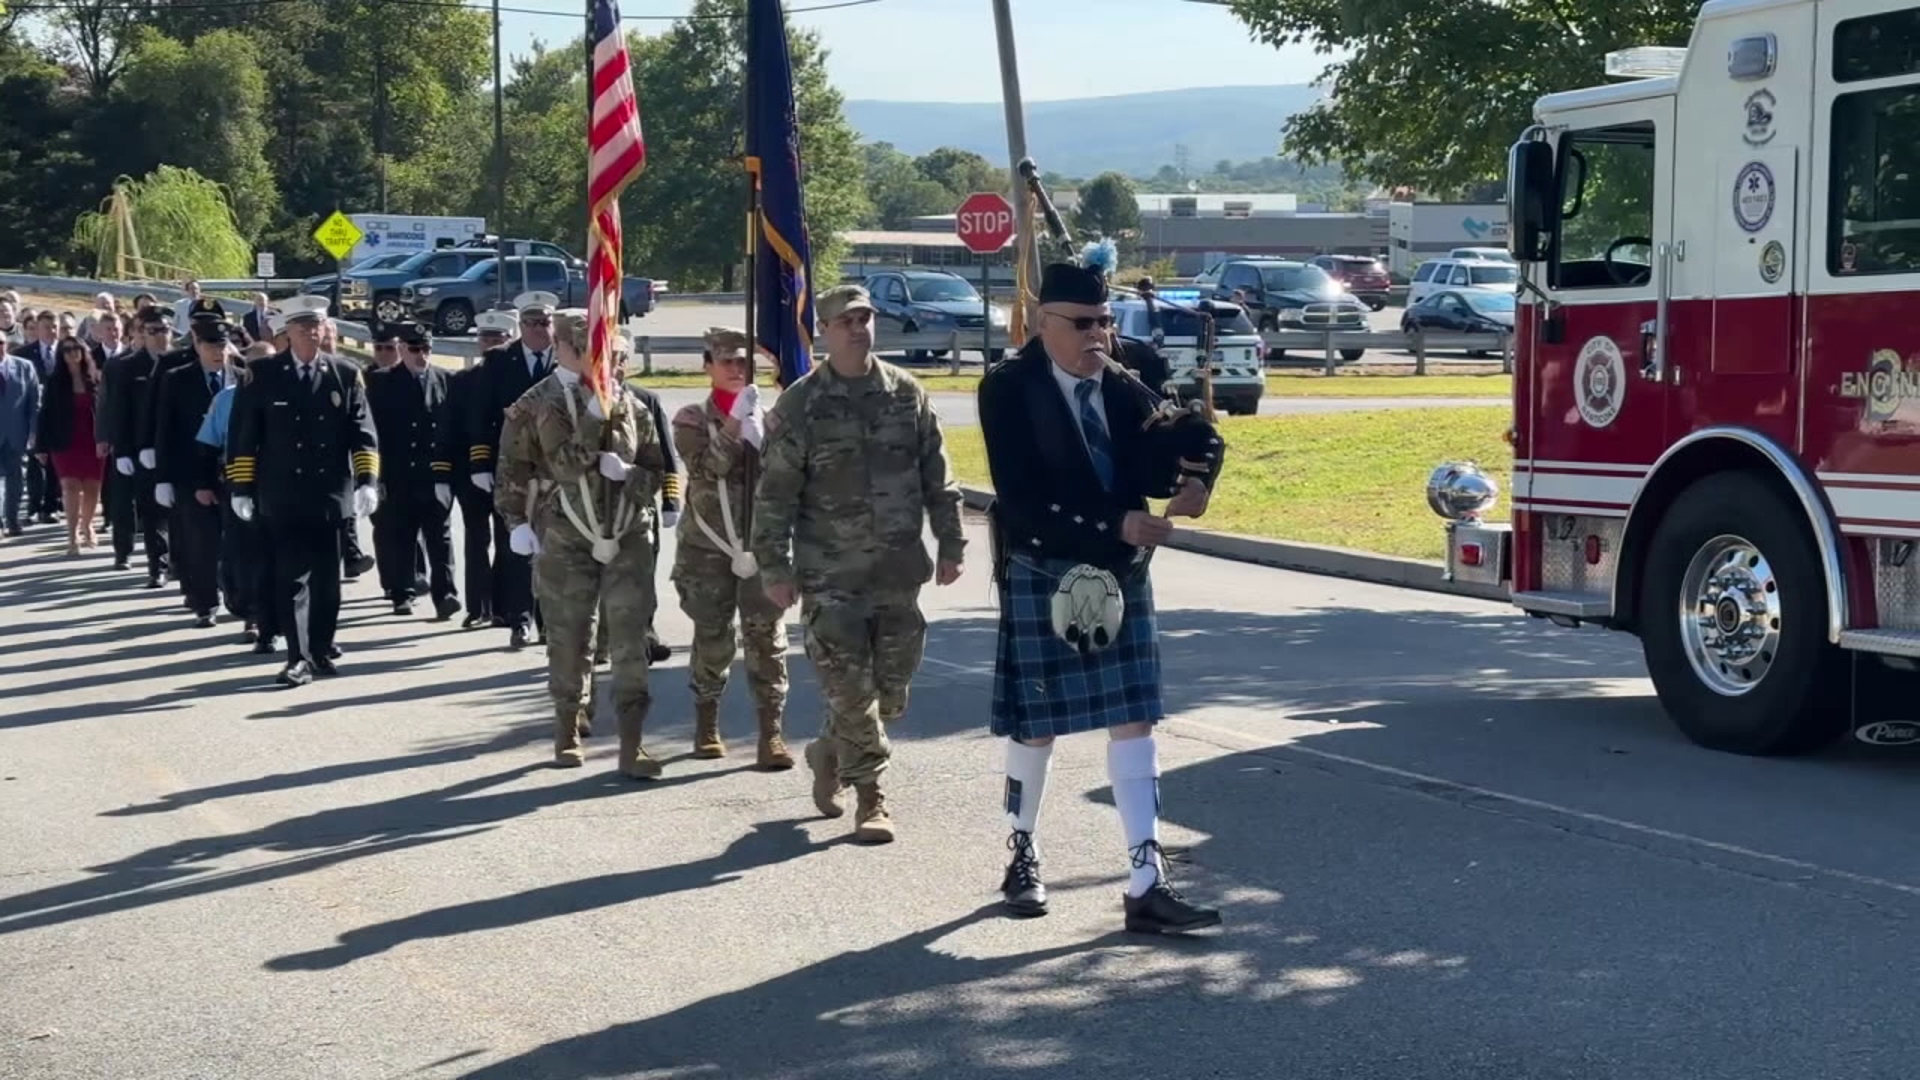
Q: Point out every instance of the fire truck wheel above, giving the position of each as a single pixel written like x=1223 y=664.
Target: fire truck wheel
x=1733 y=621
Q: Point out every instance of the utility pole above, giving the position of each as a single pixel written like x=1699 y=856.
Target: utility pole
x=500 y=159
x=380 y=111
x=1016 y=146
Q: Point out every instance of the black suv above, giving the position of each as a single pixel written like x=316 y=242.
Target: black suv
x=1292 y=296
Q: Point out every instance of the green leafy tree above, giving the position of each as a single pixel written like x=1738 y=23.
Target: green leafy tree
x=1431 y=94
x=1108 y=207
x=897 y=191
x=961 y=172
x=174 y=222
x=204 y=109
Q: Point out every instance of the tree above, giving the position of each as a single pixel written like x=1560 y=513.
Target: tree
x=897 y=191
x=961 y=172
x=205 y=109
x=175 y=223
x=1108 y=207
x=1431 y=94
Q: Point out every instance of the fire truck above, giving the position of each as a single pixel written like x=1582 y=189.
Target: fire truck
x=1716 y=405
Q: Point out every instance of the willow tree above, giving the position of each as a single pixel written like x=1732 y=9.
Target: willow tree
x=174 y=223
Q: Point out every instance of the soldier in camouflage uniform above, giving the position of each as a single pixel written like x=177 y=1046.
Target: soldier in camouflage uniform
x=576 y=487
x=720 y=439
x=855 y=465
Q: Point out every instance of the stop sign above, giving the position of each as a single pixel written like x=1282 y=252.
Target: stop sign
x=984 y=222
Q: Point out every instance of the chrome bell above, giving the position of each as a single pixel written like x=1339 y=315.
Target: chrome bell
x=1459 y=491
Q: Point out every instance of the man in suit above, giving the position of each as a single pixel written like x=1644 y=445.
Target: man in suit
x=128 y=381
x=1072 y=460
x=19 y=410
x=258 y=320
x=203 y=309
x=496 y=330
x=181 y=406
x=304 y=456
x=505 y=374
x=410 y=414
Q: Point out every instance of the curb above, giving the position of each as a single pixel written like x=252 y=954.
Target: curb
x=1308 y=558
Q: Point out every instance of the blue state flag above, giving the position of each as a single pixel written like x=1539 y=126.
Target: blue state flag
x=783 y=257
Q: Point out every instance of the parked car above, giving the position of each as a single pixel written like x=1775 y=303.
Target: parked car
x=934 y=302
x=1462 y=311
x=1281 y=295
x=322 y=284
x=1239 y=374
x=1485 y=254
x=1210 y=277
x=1437 y=274
x=449 y=304
x=1362 y=275
x=374 y=292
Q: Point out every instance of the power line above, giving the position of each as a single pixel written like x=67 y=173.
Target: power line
x=207 y=5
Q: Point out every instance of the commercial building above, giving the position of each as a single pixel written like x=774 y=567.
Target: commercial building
x=1421 y=231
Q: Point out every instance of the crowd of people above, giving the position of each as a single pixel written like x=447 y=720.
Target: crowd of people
x=242 y=459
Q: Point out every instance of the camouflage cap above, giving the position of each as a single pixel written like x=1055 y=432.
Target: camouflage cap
x=841 y=299
x=725 y=342
x=570 y=325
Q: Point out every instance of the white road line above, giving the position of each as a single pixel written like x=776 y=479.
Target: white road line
x=1567 y=811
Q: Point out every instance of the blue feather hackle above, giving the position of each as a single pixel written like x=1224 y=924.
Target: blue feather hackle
x=1101 y=255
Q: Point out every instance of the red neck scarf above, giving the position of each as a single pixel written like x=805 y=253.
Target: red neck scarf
x=723 y=400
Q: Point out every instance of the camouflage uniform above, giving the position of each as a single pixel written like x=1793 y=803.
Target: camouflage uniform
x=853 y=469
x=547 y=450
x=707 y=571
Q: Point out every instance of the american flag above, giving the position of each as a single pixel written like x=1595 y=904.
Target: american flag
x=616 y=152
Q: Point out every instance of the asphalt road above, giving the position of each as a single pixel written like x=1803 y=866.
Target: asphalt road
x=1449 y=843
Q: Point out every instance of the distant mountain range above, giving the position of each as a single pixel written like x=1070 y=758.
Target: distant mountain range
x=1132 y=133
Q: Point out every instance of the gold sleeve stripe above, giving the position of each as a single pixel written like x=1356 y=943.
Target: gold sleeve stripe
x=443 y=466
x=670 y=487
x=480 y=453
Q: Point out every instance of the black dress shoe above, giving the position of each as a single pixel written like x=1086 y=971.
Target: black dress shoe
x=324 y=666
x=656 y=653
x=120 y=564
x=153 y=581
x=298 y=673
x=1161 y=909
x=332 y=652
x=475 y=620
x=403 y=608
x=203 y=622
x=1025 y=893
x=519 y=638
x=265 y=647
x=248 y=635
x=358 y=566
x=445 y=608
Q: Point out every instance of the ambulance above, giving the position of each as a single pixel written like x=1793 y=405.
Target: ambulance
x=1716 y=406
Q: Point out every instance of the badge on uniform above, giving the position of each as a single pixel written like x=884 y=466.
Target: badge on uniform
x=335 y=398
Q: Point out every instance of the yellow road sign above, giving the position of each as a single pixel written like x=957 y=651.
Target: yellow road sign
x=338 y=235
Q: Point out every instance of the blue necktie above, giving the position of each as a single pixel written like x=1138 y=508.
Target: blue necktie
x=1099 y=446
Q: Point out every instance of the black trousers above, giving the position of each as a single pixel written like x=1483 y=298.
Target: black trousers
x=350 y=551
x=123 y=514
x=306 y=573
x=196 y=532
x=476 y=517
x=412 y=538
x=513 y=579
x=43 y=487
x=153 y=522
x=247 y=574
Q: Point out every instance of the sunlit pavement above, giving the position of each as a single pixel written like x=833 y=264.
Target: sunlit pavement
x=1449 y=842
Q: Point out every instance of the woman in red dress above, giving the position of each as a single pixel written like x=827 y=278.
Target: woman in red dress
x=66 y=435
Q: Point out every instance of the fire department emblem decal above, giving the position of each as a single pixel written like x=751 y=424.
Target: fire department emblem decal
x=1599 y=382
x=1753 y=197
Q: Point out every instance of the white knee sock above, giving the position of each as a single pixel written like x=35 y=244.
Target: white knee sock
x=1134 y=767
x=1027 y=771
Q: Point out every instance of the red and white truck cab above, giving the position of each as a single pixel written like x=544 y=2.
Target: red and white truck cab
x=1717 y=390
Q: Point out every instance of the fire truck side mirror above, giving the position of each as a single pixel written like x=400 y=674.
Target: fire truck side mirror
x=1530 y=199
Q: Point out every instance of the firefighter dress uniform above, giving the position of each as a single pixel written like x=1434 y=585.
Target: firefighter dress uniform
x=304 y=458
x=502 y=377
x=456 y=485
x=410 y=414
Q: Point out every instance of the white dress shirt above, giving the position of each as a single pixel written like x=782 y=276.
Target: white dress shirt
x=1068 y=382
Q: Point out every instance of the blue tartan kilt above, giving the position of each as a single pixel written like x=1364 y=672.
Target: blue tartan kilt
x=1044 y=687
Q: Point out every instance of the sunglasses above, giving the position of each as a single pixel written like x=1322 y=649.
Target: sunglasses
x=1084 y=323
x=417 y=346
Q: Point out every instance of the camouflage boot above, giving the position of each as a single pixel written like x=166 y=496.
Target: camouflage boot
x=566 y=740
x=774 y=755
x=706 y=730
x=826 y=778
x=871 y=822
x=634 y=760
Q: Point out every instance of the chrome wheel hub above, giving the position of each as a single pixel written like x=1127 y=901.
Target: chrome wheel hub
x=1730 y=615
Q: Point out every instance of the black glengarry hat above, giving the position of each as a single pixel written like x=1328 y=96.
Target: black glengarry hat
x=1068 y=283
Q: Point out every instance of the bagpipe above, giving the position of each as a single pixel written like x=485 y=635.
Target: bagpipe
x=1183 y=438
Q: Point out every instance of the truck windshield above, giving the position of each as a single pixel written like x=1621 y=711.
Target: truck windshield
x=1307 y=279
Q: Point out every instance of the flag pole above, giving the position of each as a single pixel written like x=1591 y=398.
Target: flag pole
x=753 y=195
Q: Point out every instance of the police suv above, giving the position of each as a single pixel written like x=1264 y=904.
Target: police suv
x=1239 y=378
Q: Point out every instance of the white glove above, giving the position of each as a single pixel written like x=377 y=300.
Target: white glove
x=751 y=431
x=483 y=481
x=746 y=403
x=124 y=465
x=163 y=494
x=522 y=541
x=612 y=467
x=147 y=459
x=669 y=518
x=593 y=407
x=443 y=493
x=365 y=500
x=242 y=507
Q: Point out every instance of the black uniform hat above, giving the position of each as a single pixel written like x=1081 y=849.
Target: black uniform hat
x=210 y=331
x=207 y=308
x=410 y=332
x=1068 y=283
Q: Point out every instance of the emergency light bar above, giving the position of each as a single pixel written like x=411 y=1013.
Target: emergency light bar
x=1178 y=296
x=1646 y=62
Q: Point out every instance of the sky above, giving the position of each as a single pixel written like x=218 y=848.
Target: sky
x=1067 y=48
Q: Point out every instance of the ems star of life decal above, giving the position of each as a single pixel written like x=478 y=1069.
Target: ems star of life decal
x=1599 y=381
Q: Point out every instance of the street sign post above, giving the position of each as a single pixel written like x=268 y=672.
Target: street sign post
x=984 y=222
x=336 y=236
